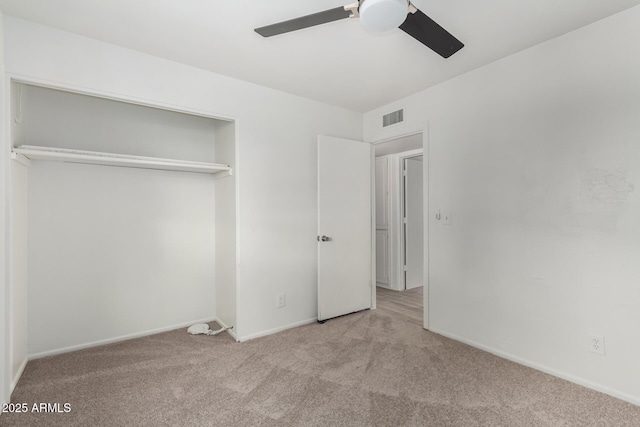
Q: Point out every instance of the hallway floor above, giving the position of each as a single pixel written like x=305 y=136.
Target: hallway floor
x=408 y=303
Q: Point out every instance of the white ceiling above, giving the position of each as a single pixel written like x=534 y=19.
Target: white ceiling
x=337 y=63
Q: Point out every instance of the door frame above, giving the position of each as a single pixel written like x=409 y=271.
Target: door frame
x=374 y=287
x=425 y=213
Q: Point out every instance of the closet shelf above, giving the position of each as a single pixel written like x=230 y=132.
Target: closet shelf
x=33 y=152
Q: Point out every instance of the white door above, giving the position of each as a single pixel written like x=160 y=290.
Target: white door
x=382 y=220
x=344 y=227
x=382 y=257
x=413 y=222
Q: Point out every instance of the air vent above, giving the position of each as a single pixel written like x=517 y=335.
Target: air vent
x=392 y=118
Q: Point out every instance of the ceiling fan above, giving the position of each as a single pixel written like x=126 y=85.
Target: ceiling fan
x=378 y=15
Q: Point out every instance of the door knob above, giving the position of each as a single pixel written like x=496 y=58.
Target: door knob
x=324 y=238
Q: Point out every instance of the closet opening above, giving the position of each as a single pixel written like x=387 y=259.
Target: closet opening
x=122 y=220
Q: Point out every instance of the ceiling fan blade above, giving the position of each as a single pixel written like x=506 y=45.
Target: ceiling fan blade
x=304 y=22
x=429 y=33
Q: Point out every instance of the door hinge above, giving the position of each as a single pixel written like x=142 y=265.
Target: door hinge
x=404 y=268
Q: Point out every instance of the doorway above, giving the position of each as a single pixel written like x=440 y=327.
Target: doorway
x=400 y=201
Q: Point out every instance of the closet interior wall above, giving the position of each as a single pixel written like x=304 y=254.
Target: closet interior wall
x=225 y=227
x=110 y=253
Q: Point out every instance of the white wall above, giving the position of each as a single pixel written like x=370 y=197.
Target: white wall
x=225 y=223
x=115 y=252
x=277 y=152
x=18 y=270
x=538 y=158
x=55 y=118
x=5 y=382
x=17 y=191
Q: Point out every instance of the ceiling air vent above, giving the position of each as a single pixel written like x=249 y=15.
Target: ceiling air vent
x=392 y=118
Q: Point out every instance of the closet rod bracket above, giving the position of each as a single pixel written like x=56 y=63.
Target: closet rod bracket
x=223 y=174
x=23 y=160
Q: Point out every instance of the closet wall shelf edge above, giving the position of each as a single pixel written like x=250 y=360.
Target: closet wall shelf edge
x=33 y=152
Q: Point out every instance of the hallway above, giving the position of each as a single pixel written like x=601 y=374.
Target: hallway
x=408 y=303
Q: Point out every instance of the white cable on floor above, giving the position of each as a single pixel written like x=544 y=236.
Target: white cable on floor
x=203 y=329
x=212 y=332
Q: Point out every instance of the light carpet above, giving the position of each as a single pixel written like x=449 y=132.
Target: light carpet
x=373 y=368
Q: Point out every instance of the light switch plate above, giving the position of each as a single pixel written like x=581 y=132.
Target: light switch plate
x=446 y=218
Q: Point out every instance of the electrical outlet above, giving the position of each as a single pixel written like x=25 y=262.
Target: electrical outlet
x=281 y=300
x=596 y=344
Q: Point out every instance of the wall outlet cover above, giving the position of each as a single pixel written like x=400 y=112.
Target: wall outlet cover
x=281 y=300
x=596 y=344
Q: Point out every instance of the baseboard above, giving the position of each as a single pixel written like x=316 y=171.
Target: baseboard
x=279 y=329
x=231 y=331
x=117 y=339
x=543 y=368
x=16 y=378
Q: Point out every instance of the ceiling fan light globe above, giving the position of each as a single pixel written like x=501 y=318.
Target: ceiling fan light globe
x=383 y=15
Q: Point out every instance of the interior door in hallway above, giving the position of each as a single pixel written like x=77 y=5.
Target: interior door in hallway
x=345 y=281
x=413 y=222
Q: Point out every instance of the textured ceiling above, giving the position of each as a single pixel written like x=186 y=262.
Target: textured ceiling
x=338 y=63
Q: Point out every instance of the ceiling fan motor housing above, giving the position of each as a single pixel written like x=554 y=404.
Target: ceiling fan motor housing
x=383 y=15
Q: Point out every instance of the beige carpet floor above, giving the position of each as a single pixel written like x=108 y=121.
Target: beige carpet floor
x=374 y=368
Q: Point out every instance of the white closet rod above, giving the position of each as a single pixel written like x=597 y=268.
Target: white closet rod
x=108 y=159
